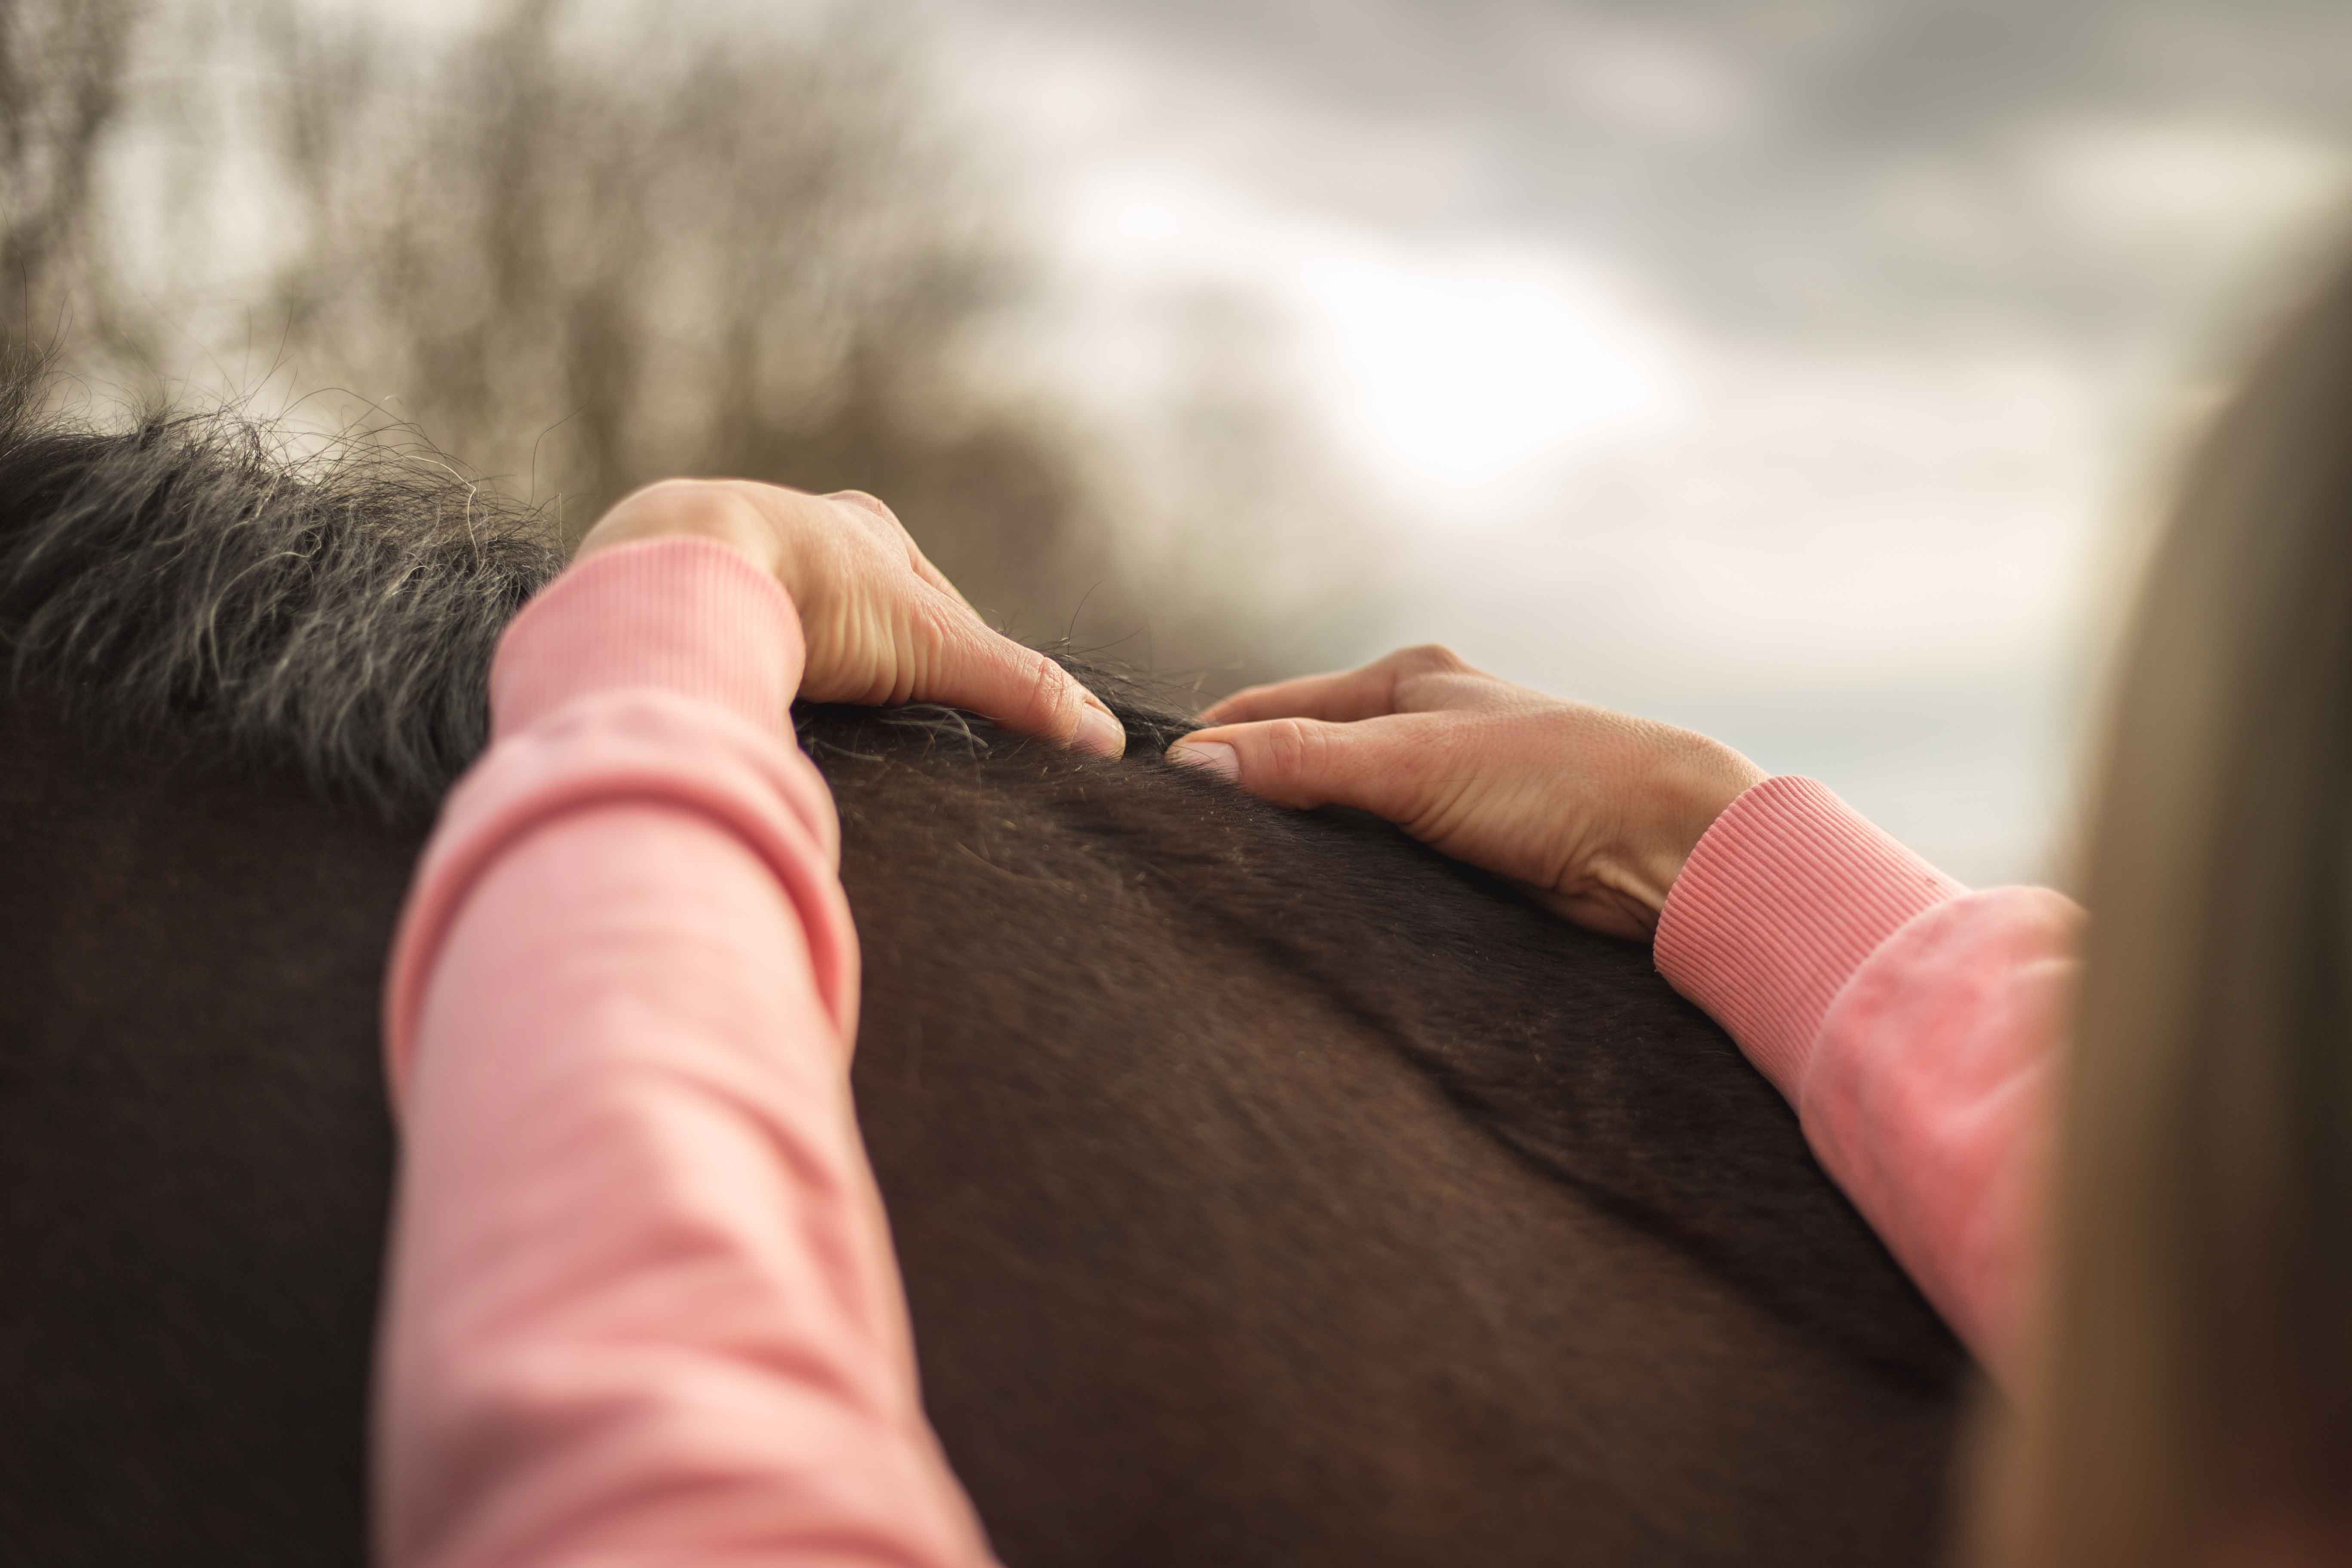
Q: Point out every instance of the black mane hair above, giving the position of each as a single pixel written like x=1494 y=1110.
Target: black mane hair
x=187 y=574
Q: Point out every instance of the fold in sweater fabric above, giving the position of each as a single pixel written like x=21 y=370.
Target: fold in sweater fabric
x=642 y=1302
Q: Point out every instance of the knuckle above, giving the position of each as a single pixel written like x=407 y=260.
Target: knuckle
x=864 y=502
x=678 y=494
x=1430 y=676
x=1294 y=748
x=676 y=485
x=1428 y=659
x=709 y=508
x=1052 y=694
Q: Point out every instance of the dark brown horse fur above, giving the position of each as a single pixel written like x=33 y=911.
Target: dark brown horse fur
x=1269 y=1190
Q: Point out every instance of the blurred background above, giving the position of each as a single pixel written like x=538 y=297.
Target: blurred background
x=1803 y=371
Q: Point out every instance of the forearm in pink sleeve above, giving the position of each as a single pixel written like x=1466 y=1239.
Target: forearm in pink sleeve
x=642 y=1304
x=1911 y=1022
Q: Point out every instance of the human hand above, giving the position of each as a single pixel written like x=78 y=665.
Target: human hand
x=882 y=625
x=1594 y=812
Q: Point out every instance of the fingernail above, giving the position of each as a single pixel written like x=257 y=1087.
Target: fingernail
x=1210 y=756
x=1099 y=733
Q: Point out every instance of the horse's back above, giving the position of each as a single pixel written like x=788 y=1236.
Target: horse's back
x=1270 y=1190
x=1267 y=1191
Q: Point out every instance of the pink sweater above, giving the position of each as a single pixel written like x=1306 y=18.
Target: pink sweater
x=642 y=1303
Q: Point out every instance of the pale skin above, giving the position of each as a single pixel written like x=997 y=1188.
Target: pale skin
x=1594 y=812
x=882 y=625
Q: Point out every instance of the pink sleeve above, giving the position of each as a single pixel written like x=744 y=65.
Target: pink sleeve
x=1910 y=1022
x=642 y=1304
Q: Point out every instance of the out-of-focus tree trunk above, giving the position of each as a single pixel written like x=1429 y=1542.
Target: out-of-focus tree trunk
x=62 y=65
x=585 y=248
x=591 y=259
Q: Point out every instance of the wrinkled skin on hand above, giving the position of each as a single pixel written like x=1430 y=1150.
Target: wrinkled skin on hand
x=1594 y=812
x=882 y=625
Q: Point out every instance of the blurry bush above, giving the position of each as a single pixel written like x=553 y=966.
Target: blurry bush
x=585 y=249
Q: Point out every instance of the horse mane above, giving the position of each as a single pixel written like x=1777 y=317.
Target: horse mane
x=192 y=575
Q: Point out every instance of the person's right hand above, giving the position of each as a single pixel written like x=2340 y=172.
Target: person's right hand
x=1595 y=812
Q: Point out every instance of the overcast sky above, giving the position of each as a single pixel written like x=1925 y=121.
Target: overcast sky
x=1787 y=369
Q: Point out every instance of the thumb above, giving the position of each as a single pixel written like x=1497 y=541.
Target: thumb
x=1371 y=764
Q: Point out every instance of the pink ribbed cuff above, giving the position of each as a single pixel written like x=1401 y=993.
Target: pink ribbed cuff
x=689 y=615
x=1782 y=900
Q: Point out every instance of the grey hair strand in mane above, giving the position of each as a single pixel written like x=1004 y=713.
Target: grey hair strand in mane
x=185 y=576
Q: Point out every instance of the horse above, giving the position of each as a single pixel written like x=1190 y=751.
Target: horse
x=1268 y=1188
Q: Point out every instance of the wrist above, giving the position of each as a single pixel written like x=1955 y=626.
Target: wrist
x=1689 y=782
x=1704 y=778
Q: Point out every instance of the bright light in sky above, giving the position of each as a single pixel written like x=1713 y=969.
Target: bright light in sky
x=1466 y=368
x=1454 y=366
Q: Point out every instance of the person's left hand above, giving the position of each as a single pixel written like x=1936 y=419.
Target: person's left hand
x=1592 y=812
x=882 y=625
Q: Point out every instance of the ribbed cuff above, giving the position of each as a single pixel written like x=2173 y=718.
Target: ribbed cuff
x=1782 y=900
x=686 y=615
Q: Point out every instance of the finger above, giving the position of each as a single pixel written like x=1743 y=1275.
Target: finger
x=1383 y=765
x=1366 y=693
x=1021 y=688
x=1369 y=691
